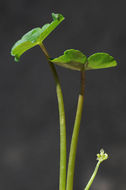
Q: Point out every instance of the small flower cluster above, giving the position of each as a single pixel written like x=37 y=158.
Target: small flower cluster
x=102 y=156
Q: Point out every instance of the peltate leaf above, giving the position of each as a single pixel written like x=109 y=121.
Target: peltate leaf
x=35 y=37
x=100 y=61
x=72 y=59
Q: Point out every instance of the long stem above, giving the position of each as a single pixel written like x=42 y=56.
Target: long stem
x=74 y=141
x=62 y=178
x=92 y=177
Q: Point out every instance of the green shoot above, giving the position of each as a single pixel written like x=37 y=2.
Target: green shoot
x=62 y=175
x=74 y=60
x=74 y=140
x=100 y=157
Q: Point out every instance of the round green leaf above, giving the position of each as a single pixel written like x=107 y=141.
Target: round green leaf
x=71 y=59
x=100 y=61
x=35 y=37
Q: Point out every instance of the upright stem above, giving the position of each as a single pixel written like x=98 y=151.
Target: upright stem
x=62 y=178
x=74 y=141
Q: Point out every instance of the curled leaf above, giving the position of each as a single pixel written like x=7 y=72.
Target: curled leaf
x=35 y=37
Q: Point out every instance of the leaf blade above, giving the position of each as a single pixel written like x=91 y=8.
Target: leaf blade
x=100 y=61
x=35 y=37
x=71 y=59
x=48 y=28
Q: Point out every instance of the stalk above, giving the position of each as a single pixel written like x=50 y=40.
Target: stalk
x=100 y=157
x=74 y=141
x=62 y=177
x=92 y=177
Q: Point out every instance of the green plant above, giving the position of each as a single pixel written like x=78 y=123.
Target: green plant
x=74 y=60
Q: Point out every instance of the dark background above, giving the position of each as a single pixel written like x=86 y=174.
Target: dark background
x=29 y=127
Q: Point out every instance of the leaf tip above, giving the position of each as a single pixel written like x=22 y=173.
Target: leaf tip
x=16 y=59
x=57 y=16
x=115 y=63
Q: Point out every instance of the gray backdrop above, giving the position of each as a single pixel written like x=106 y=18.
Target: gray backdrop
x=29 y=126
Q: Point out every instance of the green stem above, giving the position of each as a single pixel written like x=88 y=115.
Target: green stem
x=62 y=178
x=74 y=141
x=93 y=176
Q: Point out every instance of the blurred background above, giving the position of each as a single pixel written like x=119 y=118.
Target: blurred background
x=29 y=126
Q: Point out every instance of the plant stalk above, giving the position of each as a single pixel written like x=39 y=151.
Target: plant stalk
x=62 y=177
x=92 y=177
x=74 y=141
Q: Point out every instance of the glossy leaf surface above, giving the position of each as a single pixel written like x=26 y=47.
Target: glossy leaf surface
x=35 y=37
x=72 y=59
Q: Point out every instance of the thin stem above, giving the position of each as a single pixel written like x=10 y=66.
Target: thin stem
x=62 y=178
x=43 y=48
x=74 y=141
x=93 y=176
